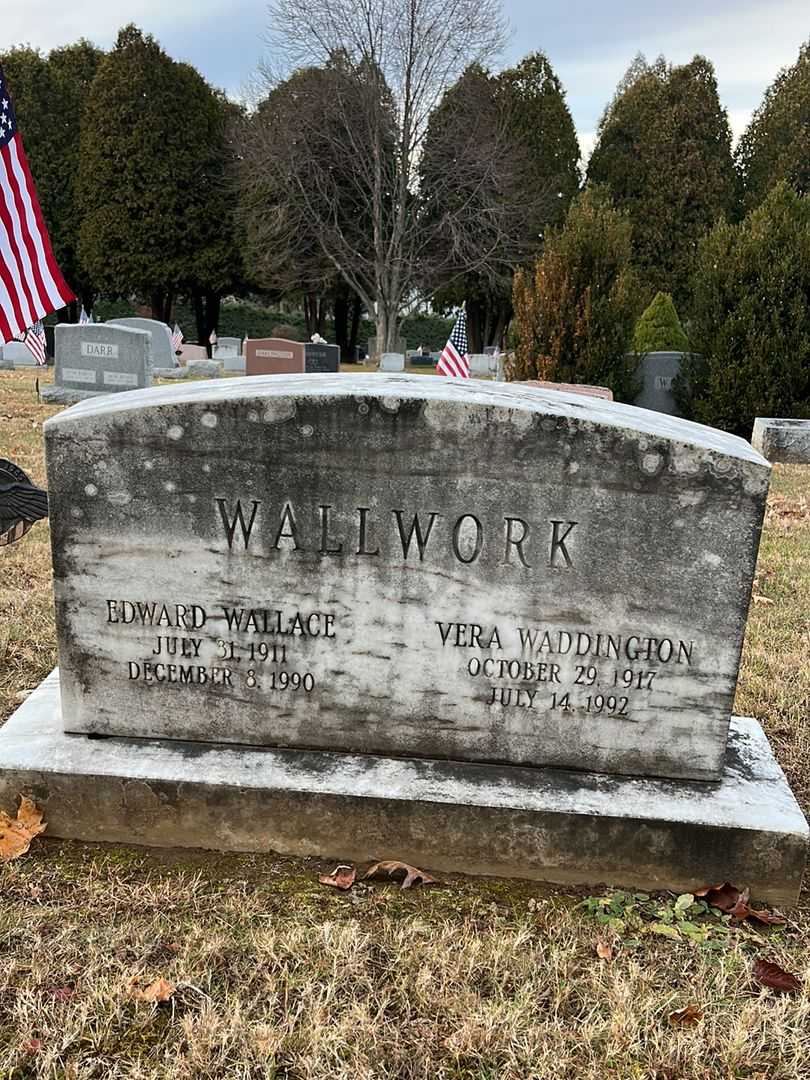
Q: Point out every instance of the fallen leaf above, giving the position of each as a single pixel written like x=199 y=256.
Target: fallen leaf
x=688 y=1016
x=342 y=877
x=604 y=950
x=774 y=976
x=17 y=833
x=60 y=993
x=413 y=876
x=766 y=600
x=723 y=896
x=33 y=1046
x=159 y=990
x=664 y=930
x=770 y=918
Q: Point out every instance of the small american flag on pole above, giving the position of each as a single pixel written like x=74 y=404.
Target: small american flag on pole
x=34 y=341
x=454 y=361
x=31 y=284
x=84 y=318
x=177 y=338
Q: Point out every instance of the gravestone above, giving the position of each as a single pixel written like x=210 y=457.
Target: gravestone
x=416 y=359
x=17 y=355
x=162 y=348
x=391 y=361
x=192 y=352
x=227 y=347
x=483 y=363
x=508 y=644
x=235 y=365
x=96 y=359
x=274 y=356
x=321 y=359
x=657 y=373
x=784 y=440
x=571 y=388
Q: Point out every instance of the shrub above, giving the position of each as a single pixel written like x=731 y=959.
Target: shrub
x=659 y=328
x=575 y=311
x=751 y=318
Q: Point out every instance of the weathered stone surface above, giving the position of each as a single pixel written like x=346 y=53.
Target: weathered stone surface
x=209 y=369
x=274 y=356
x=173 y=373
x=392 y=361
x=227 y=348
x=99 y=359
x=192 y=352
x=548 y=825
x=782 y=440
x=603 y=392
x=321 y=359
x=657 y=373
x=483 y=364
x=162 y=348
x=404 y=565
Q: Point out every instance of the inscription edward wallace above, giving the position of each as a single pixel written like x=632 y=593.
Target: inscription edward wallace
x=370 y=563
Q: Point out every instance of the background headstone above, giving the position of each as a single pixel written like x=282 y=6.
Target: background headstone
x=401 y=347
x=657 y=372
x=162 y=350
x=783 y=440
x=227 y=347
x=192 y=352
x=16 y=354
x=99 y=358
x=235 y=364
x=392 y=362
x=274 y=356
x=321 y=359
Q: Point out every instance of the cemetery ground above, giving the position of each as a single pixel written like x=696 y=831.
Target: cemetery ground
x=271 y=974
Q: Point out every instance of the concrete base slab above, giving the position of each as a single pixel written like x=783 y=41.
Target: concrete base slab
x=65 y=395
x=545 y=824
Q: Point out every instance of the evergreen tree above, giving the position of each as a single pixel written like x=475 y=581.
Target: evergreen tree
x=664 y=151
x=511 y=142
x=151 y=176
x=776 y=144
x=659 y=328
x=575 y=312
x=751 y=320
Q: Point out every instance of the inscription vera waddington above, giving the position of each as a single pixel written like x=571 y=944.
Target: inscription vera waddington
x=369 y=563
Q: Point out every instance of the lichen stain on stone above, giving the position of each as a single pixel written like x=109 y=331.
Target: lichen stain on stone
x=278 y=410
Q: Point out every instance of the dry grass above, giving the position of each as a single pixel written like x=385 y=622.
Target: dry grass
x=475 y=980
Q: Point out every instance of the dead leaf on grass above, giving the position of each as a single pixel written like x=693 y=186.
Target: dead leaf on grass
x=689 y=1016
x=604 y=950
x=734 y=902
x=17 y=833
x=775 y=977
x=759 y=599
x=159 y=990
x=413 y=876
x=342 y=877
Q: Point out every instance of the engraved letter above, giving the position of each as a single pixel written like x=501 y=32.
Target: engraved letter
x=515 y=541
x=558 y=543
x=325 y=549
x=479 y=538
x=361 y=541
x=421 y=541
x=238 y=519
x=288 y=520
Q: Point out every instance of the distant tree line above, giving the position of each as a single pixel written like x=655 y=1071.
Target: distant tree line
x=384 y=165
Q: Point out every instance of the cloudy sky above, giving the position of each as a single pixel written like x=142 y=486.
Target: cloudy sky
x=590 y=42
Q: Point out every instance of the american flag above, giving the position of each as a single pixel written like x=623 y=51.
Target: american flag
x=34 y=341
x=213 y=338
x=453 y=361
x=177 y=338
x=31 y=284
x=84 y=318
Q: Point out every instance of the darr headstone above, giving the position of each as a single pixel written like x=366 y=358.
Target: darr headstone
x=162 y=350
x=274 y=356
x=98 y=358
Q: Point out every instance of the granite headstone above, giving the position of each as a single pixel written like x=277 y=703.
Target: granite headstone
x=162 y=349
